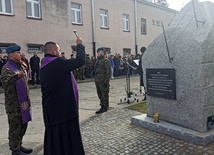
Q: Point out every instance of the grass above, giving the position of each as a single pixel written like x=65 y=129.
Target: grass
x=140 y=107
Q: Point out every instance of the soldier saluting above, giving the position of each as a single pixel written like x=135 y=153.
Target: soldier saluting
x=102 y=73
x=17 y=101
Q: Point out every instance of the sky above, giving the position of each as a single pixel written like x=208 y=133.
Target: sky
x=178 y=4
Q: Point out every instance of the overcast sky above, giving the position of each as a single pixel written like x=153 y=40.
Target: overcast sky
x=178 y=4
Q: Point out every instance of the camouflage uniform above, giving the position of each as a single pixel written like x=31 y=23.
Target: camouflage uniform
x=88 y=67
x=16 y=128
x=102 y=78
x=81 y=72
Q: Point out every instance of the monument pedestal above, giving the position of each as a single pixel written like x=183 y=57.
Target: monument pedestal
x=173 y=130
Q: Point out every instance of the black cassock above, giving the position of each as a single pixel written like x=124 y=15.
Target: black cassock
x=60 y=109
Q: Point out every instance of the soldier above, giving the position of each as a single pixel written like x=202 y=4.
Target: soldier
x=102 y=74
x=17 y=102
x=81 y=73
x=88 y=66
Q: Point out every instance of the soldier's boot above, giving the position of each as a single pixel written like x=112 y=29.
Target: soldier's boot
x=26 y=150
x=102 y=110
x=17 y=152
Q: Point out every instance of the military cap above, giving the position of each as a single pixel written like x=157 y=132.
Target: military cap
x=101 y=49
x=13 y=48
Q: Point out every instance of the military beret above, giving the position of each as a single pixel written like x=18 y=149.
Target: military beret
x=101 y=49
x=13 y=48
x=143 y=49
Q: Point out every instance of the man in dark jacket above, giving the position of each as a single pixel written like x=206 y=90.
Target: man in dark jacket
x=34 y=65
x=140 y=70
x=1 y=64
x=60 y=101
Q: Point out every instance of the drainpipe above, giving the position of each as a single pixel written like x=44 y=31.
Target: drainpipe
x=93 y=28
x=135 y=13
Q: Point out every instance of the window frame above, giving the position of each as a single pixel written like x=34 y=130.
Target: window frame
x=38 y=46
x=127 y=51
x=126 y=23
x=3 y=12
x=143 y=24
x=32 y=2
x=102 y=18
x=76 y=15
x=4 y=46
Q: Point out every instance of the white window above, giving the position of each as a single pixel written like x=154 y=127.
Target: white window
x=125 y=22
x=33 y=8
x=143 y=26
x=76 y=15
x=103 y=18
x=6 y=7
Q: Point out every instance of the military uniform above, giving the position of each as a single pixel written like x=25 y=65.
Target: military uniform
x=102 y=78
x=17 y=124
x=88 y=67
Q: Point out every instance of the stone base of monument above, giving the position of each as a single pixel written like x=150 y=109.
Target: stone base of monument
x=173 y=130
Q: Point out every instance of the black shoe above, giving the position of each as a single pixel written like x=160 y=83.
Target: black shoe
x=26 y=150
x=17 y=152
x=144 y=98
x=102 y=110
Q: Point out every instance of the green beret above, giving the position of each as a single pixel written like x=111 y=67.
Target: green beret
x=13 y=48
x=101 y=49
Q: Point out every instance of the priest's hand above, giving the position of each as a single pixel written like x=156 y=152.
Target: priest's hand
x=79 y=40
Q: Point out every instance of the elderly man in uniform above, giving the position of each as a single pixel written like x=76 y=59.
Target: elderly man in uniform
x=102 y=74
x=17 y=101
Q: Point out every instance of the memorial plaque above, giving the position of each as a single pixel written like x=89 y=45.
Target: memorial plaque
x=161 y=82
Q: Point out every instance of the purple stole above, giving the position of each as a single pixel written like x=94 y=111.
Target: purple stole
x=23 y=97
x=47 y=60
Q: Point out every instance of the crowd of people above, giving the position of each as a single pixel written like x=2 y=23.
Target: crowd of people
x=119 y=66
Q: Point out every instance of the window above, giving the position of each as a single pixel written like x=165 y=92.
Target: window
x=33 y=8
x=6 y=7
x=76 y=15
x=108 y=50
x=125 y=22
x=35 y=48
x=126 y=51
x=143 y=26
x=103 y=18
x=3 y=46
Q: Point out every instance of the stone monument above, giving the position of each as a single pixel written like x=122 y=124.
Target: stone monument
x=179 y=76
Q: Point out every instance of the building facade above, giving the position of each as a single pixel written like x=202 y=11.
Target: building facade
x=121 y=26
